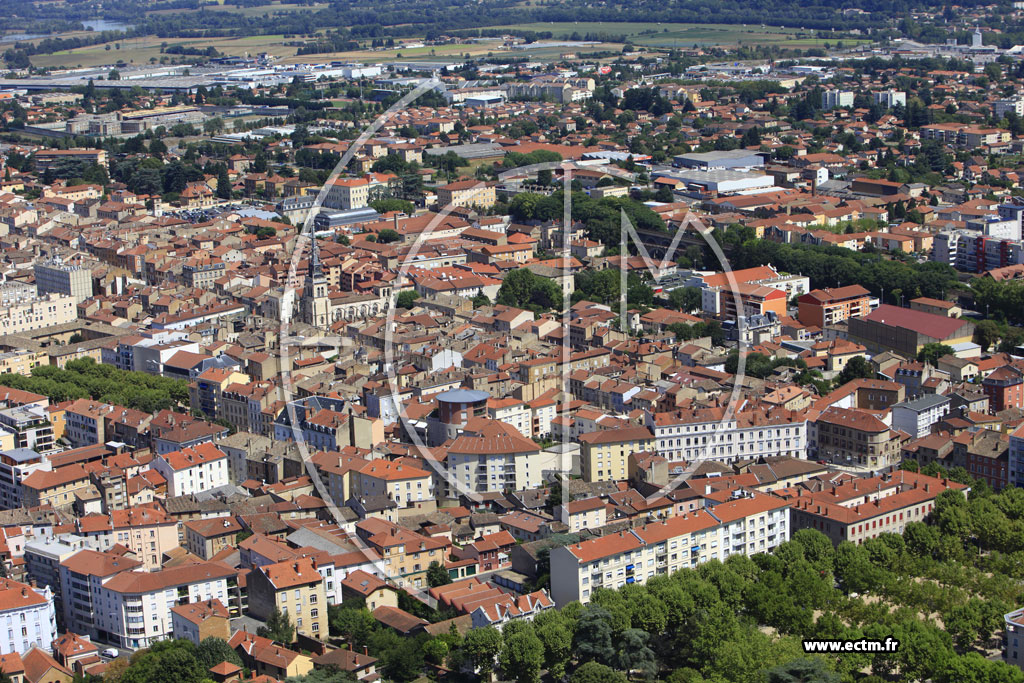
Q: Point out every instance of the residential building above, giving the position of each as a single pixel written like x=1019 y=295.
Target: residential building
x=825 y=307
x=29 y=616
x=207 y=537
x=860 y=509
x=201 y=620
x=56 y=277
x=832 y=99
x=193 y=470
x=294 y=587
x=916 y=417
x=1005 y=388
x=407 y=485
x=604 y=454
x=744 y=526
x=854 y=438
x=37 y=313
x=706 y=434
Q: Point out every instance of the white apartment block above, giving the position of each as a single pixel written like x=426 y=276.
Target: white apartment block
x=832 y=99
x=193 y=470
x=1000 y=108
x=512 y=412
x=59 y=278
x=703 y=435
x=916 y=417
x=134 y=608
x=1016 y=457
x=890 y=98
x=27 y=617
x=746 y=526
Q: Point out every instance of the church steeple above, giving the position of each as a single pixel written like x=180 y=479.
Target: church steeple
x=315 y=303
x=316 y=269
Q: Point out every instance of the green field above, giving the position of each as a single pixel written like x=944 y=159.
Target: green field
x=682 y=35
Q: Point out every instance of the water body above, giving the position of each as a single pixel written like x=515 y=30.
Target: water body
x=15 y=37
x=104 y=25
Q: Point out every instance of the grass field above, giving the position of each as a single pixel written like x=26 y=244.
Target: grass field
x=140 y=51
x=654 y=34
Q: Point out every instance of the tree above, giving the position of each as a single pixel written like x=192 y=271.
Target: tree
x=437 y=575
x=157 y=148
x=223 y=183
x=857 y=367
x=685 y=299
x=802 y=671
x=593 y=637
x=634 y=653
x=522 y=289
x=406 y=299
x=557 y=641
x=523 y=654
x=387 y=236
x=481 y=300
x=389 y=204
x=213 y=126
x=931 y=353
x=168 y=661
x=212 y=651
x=986 y=333
x=593 y=672
x=481 y=647
x=278 y=628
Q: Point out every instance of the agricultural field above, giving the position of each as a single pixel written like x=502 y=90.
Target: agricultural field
x=682 y=35
x=140 y=51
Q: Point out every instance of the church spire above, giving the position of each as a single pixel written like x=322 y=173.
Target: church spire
x=316 y=269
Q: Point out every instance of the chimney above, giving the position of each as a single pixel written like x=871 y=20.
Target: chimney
x=396 y=221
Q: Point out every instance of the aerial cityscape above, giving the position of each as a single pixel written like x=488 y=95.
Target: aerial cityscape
x=503 y=340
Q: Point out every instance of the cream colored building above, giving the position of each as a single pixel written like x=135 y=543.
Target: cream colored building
x=38 y=313
x=467 y=193
x=604 y=455
x=21 y=362
x=744 y=526
x=348 y=193
x=294 y=587
x=404 y=484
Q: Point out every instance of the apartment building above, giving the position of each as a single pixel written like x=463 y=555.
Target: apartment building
x=193 y=470
x=29 y=427
x=202 y=620
x=407 y=485
x=207 y=537
x=58 y=487
x=833 y=99
x=206 y=392
x=467 y=193
x=56 y=277
x=294 y=587
x=975 y=253
x=146 y=530
x=1005 y=388
x=916 y=417
x=825 y=307
x=964 y=135
x=604 y=454
x=21 y=362
x=136 y=606
x=1016 y=456
x=490 y=456
x=588 y=513
x=84 y=422
x=81 y=578
x=28 y=615
x=405 y=554
x=42 y=562
x=705 y=434
x=16 y=465
x=348 y=193
x=743 y=526
x=865 y=508
x=855 y=438
x=38 y=313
